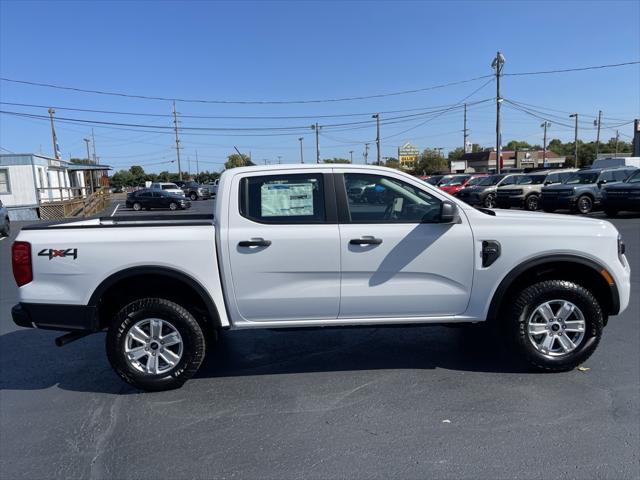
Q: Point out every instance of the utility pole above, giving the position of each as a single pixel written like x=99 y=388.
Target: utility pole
x=377 y=117
x=466 y=134
x=498 y=65
x=599 y=121
x=93 y=142
x=197 y=167
x=617 y=140
x=545 y=125
x=351 y=155
x=54 y=138
x=575 y=140
x=366 y=152
x=636 y=138
x=175 y=127
x=188 y=167
x=301 y=154
x=89 y=159
x=316 y=127
x=279 y=159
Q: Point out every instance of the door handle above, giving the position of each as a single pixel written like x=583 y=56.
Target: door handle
x=257 y=242
x=365 y=241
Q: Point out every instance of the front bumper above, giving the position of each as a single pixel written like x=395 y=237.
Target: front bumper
x=558 y=202
x=509 y=201
x=56 y=317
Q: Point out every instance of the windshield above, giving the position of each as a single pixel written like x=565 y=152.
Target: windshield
x=635 y=178
x=489 y=181
x=433 y=180
x=475 y=181
x=530 y=180
x=582 y=178
x=455 y=180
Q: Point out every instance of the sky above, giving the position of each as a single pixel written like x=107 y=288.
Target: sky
x=300 y=51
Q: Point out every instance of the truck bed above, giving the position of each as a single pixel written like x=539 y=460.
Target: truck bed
x=194 y=219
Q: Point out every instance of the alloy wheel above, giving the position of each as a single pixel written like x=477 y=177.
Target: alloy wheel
x=153 y=346
x=556 y=328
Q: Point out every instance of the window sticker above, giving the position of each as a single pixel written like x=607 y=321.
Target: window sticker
x=286 y=199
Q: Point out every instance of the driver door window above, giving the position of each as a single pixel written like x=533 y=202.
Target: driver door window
x=382 y=199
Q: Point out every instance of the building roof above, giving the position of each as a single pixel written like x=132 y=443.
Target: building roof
x=506 y=154
x=86 y=167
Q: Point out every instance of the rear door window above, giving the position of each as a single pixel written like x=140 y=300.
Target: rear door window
x=283 y=199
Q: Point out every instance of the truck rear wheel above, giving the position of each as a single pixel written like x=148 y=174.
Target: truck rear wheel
x=555 y=325
x=155 y=344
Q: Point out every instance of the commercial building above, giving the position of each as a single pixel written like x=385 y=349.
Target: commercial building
x=485 y=161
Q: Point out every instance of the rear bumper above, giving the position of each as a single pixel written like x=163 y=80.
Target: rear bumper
x=55 y=317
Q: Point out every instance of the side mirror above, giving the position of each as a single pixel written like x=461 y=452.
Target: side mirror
x=601 y=182
x=448 y=212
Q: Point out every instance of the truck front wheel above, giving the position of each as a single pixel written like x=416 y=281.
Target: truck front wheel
x=555 y=325
x=155 y=344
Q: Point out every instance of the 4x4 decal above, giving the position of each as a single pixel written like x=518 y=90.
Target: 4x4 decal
x=53 y=253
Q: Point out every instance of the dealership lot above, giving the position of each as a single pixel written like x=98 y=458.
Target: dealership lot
x=323 y=403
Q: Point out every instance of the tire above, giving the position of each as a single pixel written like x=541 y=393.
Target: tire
x=193 y=197
x=188 y=355
x=173 y=206
x=584 y=204
x=489 y=201
x=609 y=212
x=532 y=203
x=137 y=207
x=524 y=313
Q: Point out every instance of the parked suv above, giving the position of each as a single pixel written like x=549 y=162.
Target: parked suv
x=526 y=191
x=5 y=225
x=167 y=187
x=622 y=196
x=483 y=193
x=582 y=191
x=194 y=190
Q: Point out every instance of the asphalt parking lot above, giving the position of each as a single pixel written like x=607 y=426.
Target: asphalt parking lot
x=419 y=402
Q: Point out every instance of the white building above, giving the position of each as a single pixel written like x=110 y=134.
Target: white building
x=28 y=180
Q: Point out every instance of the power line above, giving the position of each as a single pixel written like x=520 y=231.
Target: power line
x=241 y=102
x=565 y=70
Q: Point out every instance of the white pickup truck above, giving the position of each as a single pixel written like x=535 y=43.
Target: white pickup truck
x=320 y=245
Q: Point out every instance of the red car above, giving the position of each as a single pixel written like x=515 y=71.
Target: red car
x=458 y=182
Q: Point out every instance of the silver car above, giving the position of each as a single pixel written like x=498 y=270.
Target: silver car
x=4 y=221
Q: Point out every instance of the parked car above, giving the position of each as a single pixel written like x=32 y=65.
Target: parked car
x=582 y=191
x=194 y=190
x=213 y=188
x=623 y=196
x=454 y=183
x=149 y=198
x=167 y=187
x=433 y=179
x=454 y=187
x=5 y=223
x=287 y=248
x=483 y=193
x=527 y=188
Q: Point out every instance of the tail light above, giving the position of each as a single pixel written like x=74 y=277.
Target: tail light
x=21 y=262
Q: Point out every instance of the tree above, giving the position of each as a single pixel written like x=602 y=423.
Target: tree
x=81 y=161
x=392 y=162
x=430 y=161
x=234 y=160
x=336 y=160
x=456 y=153
x=121 y=179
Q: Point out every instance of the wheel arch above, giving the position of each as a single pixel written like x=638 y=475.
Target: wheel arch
x=581 y=270
x=167 y=282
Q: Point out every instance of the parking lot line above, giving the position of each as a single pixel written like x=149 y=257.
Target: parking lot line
x=115 y=210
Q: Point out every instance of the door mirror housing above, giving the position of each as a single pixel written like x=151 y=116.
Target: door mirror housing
x=601 y=182
x=448 y=212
